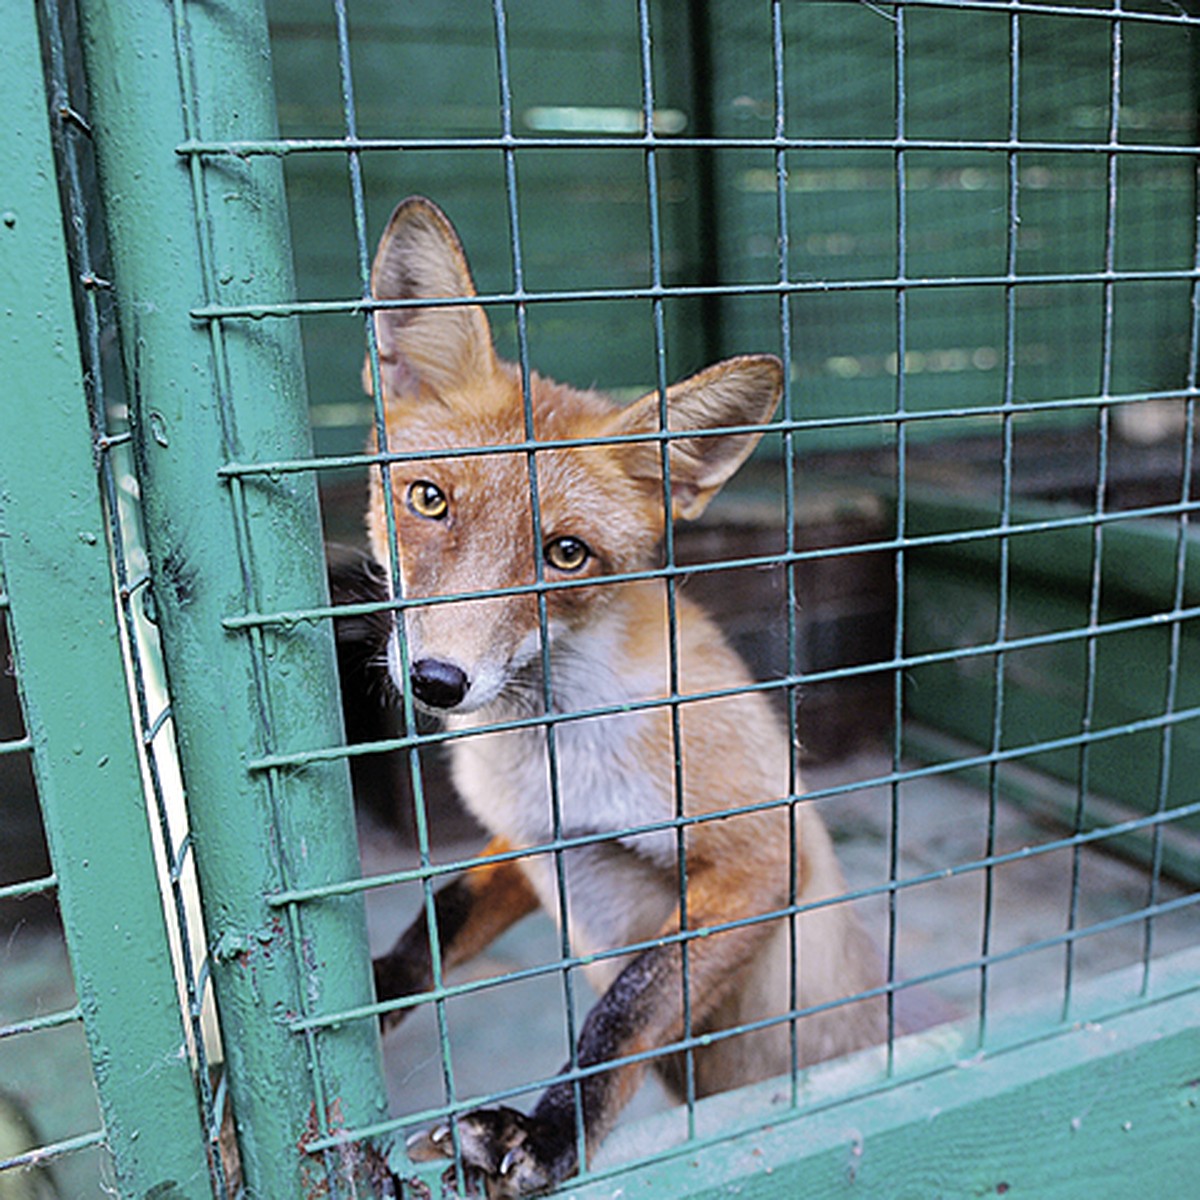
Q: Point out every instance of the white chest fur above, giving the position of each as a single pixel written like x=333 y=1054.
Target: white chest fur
x=585 y=778
x=582 y=775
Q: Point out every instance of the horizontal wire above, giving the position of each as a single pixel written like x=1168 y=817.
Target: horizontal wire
x=302 y=758
x=110 y=441
x=357 y=306
x=54 y=1020
x=155 y=726
x=889 y=887
x=48 y=1153
x=1037 y=8
x=1003 y=645
x=1087 y=520
x=520 y=446
x=201 y=982
x=981 y=412
x=130 y=587
x=28 y=887
x=179 y=858
x=285 y=146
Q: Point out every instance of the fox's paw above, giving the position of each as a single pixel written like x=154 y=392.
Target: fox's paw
x=505 y=1153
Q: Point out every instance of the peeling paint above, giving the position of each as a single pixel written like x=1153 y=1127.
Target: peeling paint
x=352 y=1163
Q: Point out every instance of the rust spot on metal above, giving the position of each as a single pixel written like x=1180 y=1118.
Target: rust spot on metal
x=353 y=1164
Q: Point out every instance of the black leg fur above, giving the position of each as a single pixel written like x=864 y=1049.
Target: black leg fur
x=407 y=968
x=521 y=1155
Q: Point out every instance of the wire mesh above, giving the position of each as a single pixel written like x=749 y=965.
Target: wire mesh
x=30 y=1019
x=1014 y=405
x=794 y=191
x=55 y=1085
x=117 y=480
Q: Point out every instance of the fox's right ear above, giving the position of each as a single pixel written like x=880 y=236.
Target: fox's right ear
x=439 y=348
x=738 y=392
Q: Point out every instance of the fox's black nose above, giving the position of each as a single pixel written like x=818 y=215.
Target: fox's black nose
x=438 y=684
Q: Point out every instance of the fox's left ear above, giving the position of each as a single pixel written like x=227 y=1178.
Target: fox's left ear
x=737 y=392
x=442 y=349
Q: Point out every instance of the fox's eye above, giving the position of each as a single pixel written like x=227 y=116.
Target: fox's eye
x=428 y=500
x=567 y=553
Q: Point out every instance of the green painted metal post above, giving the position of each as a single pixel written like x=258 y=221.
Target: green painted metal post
x=185 y=232
x=67 y=652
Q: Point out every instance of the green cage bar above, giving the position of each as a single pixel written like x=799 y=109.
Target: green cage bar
x=67 y=652
x=185 y=232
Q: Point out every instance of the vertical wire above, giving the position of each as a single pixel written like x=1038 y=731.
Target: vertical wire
x=500 y=22
x=1087 y=717
x=105 y=442
x=660 y=354
x=1176 y=644
x=408 y=714
x=789 y=484
x=379 y=412
x=702 y=74
x=1006 y=489
x=901 y=520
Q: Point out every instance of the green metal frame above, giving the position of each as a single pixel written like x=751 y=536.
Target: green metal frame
x=182 y=234
x=217 y=549
x=72 y=673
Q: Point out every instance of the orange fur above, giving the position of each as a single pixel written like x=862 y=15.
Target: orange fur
x=469 y=527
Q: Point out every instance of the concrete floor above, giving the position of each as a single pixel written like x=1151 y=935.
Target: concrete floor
x=515 y=1034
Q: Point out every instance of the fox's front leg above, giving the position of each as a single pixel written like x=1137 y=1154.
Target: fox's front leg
x=519 y=1155
x=470 y=912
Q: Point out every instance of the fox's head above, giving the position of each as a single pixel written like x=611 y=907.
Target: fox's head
x=467 y=523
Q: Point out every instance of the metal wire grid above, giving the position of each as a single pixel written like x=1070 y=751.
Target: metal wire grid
x=902 y=418
x=45 y=885
x=45 y=1154
x=115 y=476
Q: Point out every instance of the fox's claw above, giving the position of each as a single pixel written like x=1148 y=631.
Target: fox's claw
x=427 y=1146
x=507 y=1152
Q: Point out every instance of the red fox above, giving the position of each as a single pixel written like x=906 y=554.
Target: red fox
x=466 y=524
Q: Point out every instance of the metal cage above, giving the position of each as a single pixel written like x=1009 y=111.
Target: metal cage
x=962 y=565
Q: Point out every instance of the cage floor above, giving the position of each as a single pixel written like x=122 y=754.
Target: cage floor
x=515 y=1033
